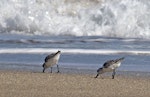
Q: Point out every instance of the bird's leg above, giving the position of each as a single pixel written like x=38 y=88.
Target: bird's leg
x=101 y=76
x=51 y=69
x=96 y=75
x=43 y=70
x=113 y=74
x=58 y=69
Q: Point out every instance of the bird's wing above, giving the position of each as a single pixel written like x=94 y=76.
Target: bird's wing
x=49 y=57
x=108 y=63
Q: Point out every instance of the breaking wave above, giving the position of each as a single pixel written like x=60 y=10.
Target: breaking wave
x=111 y=18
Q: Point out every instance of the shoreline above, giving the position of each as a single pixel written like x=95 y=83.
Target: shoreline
x=36 y=84
x=81 y=72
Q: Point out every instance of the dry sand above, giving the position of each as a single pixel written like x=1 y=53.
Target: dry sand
x=28 y=84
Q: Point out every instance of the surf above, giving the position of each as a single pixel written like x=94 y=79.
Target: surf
x=109 y=18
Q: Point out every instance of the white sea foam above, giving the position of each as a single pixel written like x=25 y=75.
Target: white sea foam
x=116 y=18
x=72 y=51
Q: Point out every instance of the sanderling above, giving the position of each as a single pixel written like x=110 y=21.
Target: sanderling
x=110 y=66
x=51 y=60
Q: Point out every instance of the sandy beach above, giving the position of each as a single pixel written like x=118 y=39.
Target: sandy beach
x=29 y=84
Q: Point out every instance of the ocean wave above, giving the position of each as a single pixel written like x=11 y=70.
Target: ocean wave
x=72 y=51
x=111 y=18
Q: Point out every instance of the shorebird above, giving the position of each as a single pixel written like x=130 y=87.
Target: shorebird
x=110 y=66
x=51 y=60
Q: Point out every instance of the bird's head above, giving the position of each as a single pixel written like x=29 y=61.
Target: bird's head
x=59 y=51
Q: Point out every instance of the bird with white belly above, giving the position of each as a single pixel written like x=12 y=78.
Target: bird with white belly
x=110 y=66
x=52 y=60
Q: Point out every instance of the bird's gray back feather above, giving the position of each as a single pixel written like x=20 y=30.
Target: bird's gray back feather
x=108 y=63
x=111 y=62
x=49 y=57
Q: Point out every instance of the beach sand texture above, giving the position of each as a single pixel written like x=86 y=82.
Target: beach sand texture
x=29 y=84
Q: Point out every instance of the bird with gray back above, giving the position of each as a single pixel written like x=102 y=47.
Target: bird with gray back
x=110 y=66
x=51 y=60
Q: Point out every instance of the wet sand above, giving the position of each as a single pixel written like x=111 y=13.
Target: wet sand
x=30 y=84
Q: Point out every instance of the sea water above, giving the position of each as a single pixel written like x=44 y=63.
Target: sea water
x=88 y=32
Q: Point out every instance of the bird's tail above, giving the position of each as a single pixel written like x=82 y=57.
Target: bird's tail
x=100 y=69
x=120 y=59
